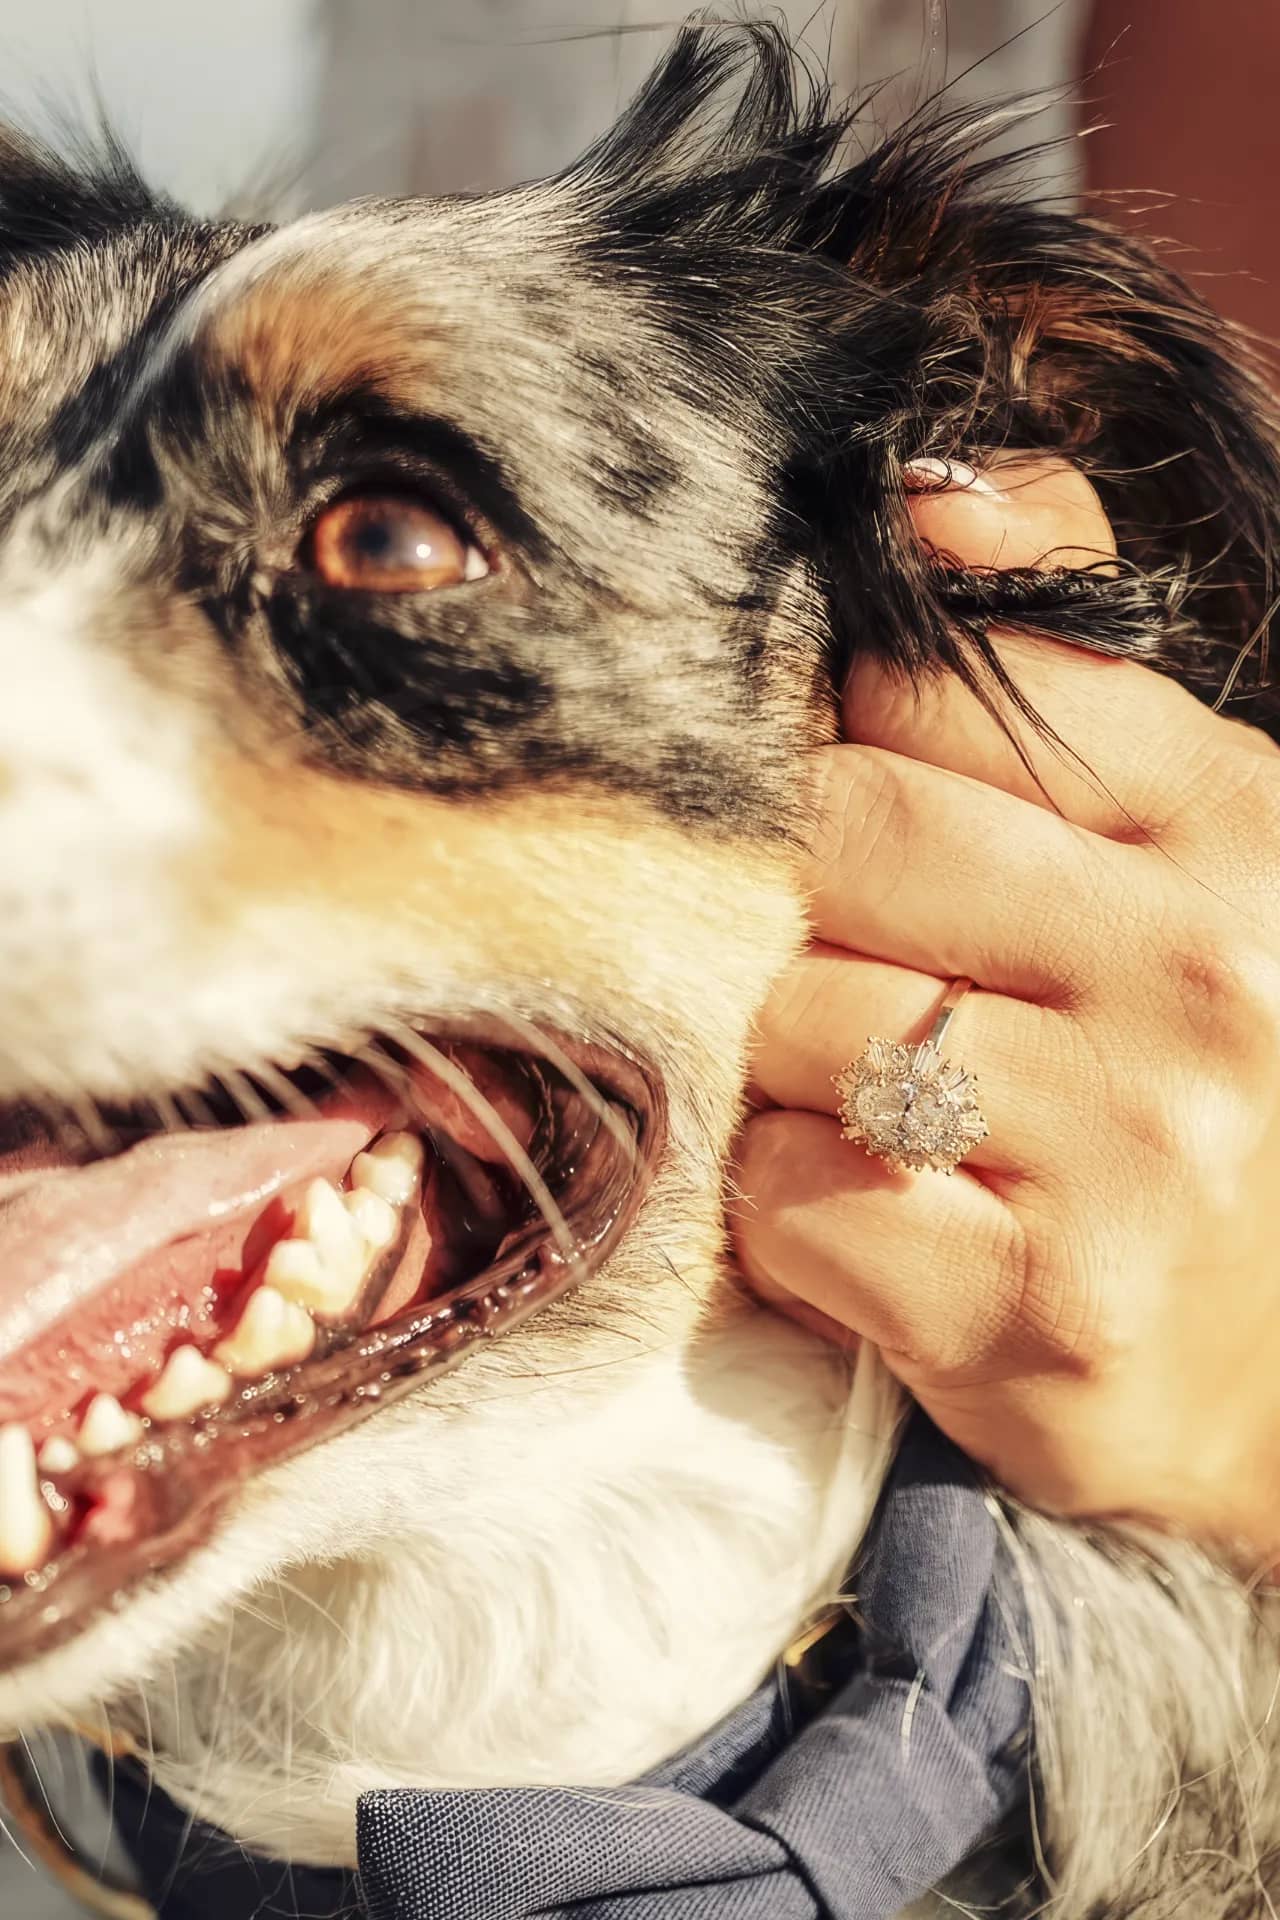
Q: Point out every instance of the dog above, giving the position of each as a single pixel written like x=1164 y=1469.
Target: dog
x=415 y=621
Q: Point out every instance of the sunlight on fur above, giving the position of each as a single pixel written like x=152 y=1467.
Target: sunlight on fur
x=254 y=829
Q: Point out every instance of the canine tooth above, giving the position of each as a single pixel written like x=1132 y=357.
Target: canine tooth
x=106 y=1427
x=26 y=1529
x=376 y=1220
x=188 y=1383
x=271 y=1332
x=58 y=1455
x=391 y=1167
x=297 y=1269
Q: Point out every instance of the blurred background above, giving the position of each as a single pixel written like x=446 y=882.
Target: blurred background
x=303 y=102
x=327 y=98
x=299 y=103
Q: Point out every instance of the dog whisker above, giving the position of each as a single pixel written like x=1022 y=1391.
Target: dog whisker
x=461 y=1083
x=546 y=1044
x=96 y=1131
x=194 y=1109
x=290 y=1098
x=248 y=1101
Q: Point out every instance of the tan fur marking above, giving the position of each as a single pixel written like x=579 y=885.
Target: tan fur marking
x=304 y=332
x=531 y=886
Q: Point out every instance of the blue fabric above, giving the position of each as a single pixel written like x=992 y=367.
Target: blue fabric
x=917 y=1759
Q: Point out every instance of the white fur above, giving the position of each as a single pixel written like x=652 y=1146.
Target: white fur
x=536 y=1569
x=569 y=1558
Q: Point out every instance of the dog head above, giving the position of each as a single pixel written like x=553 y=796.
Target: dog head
x=413 y=625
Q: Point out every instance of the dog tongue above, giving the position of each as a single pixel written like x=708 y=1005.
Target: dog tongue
x=73 y=1230
x=103 y=1266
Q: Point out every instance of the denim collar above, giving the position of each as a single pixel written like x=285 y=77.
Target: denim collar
x=843 y=1805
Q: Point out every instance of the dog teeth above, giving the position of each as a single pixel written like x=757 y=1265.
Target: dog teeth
x=375 y=1219
x=106 y=1427
x=58 y=1455
x=271 y=1332
x=298 y=1271
x=26 y=1527
x=391 y=1168
x=188 y=1384
x=324 y=1221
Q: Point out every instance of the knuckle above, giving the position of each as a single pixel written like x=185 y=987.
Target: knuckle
x=1148 y=1122
x=1255 y=791
x=1226 y=985
x=1234 y=784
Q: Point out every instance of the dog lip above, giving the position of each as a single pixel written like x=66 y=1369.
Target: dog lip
x=142 y=1512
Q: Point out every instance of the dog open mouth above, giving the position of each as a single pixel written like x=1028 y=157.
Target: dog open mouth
x=183 y=1307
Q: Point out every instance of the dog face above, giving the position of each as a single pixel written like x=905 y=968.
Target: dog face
x=414 y=624
x=387 y=634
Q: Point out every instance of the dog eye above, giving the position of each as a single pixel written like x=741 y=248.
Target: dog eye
x=390 y=543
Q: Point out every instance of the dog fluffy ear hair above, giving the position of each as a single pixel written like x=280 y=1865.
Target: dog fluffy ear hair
x=945 y=316
x=1049 y=330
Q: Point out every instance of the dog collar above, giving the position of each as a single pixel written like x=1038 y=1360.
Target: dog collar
x=857 y=1778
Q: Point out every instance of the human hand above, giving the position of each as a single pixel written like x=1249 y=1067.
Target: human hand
x=1091 y=1304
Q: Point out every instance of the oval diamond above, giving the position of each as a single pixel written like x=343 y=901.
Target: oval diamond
x=880 y=1109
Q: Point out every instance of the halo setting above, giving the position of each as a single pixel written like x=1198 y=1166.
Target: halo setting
x=909 y=1107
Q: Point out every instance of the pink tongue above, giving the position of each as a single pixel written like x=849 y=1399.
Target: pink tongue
x=104 y=1263
x=105 y=1268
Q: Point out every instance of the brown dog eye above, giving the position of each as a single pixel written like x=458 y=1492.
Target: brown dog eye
x=387 y=543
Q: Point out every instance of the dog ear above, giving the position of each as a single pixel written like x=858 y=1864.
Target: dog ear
x=730 y=135
x=51 y=201
x=923 y=309
x=1042 y=329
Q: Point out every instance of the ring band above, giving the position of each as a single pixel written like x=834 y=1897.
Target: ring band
x=907 y=1105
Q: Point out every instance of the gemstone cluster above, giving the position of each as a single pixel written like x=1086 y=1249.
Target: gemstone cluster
x=909 y=1107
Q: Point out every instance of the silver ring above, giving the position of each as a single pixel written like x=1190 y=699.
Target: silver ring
x=907 y=1105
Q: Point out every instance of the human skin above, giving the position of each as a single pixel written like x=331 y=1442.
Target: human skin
x=1090 y=1305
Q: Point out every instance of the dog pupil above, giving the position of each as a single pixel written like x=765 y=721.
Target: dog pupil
x=373 y=540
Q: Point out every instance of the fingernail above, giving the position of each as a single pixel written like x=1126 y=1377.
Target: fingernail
x=925 y=474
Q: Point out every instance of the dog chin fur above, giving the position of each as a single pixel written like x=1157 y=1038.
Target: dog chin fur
x=494 y=1583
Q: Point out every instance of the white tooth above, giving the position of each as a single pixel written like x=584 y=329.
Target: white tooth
x=57 y=1455
x=391 y=1167
x=26 y=1529
x=324 y=1221
x=106 y=1427
x=297 y=1269
x=188 y=1383
x=377 y=1221
x=272 y=1332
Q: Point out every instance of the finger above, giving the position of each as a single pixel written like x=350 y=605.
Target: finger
x=1125 y=743
x=934 y=871
x=1020 y=510
x=925 y=1266
x=1124 y=758
x=821 y=1013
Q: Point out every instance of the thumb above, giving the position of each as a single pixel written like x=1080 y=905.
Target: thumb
x=1019 y=510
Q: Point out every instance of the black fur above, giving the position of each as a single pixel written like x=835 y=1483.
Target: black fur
x=956 y=321
x=716 y=266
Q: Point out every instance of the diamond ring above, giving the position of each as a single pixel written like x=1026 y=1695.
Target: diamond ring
x=908 y=1106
